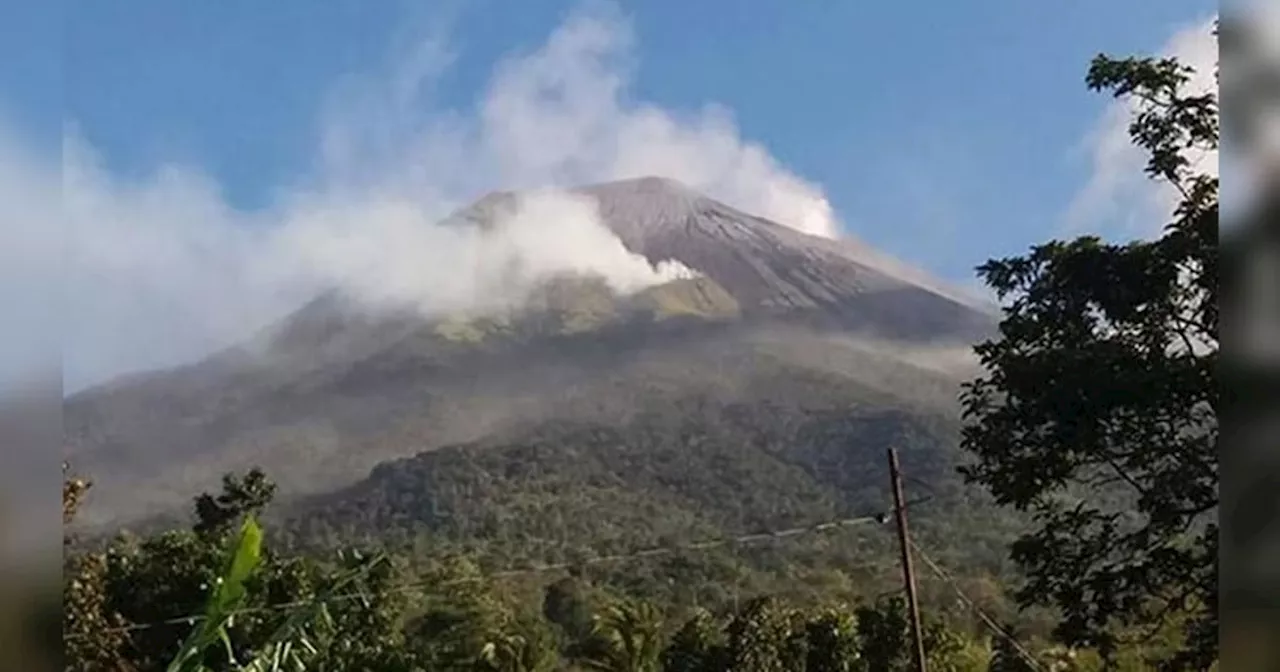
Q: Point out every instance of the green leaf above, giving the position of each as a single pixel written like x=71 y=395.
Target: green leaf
x=225 y=596
x=240 y=566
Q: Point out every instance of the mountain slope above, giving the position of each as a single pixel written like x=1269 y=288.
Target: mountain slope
x=570 y=492
x=768 y=268
x=336 y=388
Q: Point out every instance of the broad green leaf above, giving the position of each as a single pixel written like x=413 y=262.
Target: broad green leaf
x=225 y=596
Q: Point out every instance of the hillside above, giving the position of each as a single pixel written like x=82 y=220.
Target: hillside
x=573 y=492
x=333 y=390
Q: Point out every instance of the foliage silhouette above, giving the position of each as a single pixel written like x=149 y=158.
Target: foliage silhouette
x=1098 y=413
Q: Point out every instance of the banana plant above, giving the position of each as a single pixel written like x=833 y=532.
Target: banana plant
x=522 y=646
x=226 y=598
x=293 y=644
x=627 y=638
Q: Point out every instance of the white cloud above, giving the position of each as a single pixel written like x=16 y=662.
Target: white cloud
x=1118 y=196
x=160 y=269
x=559 y=114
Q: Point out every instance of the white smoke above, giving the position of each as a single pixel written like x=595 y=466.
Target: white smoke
x=161 y=269
x=392 y=251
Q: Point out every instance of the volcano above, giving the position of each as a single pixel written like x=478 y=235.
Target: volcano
x=770 y=269
x=771 y=316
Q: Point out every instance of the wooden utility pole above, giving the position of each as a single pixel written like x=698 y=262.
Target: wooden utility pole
x=908 y=573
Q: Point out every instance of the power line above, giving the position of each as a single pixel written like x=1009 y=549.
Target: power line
x=950 y=580
x=745 y=539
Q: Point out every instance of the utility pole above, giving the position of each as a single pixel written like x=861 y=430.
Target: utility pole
x=908 y=573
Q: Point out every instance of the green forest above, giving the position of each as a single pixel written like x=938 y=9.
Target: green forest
x=1068 y=521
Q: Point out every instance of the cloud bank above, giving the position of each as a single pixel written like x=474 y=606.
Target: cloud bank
x=1118 y=195
x=160 y=270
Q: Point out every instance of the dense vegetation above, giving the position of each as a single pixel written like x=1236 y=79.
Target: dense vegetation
x=215 y=593
x=566 y=492
x=1104 y=376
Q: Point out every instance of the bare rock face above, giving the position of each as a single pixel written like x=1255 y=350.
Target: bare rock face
x=770 y=269
x=336 y=389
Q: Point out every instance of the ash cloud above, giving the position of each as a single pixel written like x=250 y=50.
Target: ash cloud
x=160 y=270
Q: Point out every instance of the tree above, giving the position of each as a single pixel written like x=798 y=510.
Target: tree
x=461 y=621
x=240 y=495
x=628 y=638
x=73 y=492
x=832 y=643
x=131 y=605
x=159 y=579
x=883 y=633
x=698 y=646
x=1098 y=409
x=93 y=636
x=760 y=638
x=567 y=605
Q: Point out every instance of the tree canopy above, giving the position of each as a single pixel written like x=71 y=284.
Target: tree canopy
x=1098 y=407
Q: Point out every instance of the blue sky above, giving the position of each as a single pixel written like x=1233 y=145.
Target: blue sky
x=943 y=133
x=940 y=131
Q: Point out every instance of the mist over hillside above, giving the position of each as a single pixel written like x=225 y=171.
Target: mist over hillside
x=753 y=312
